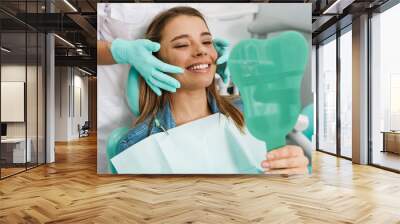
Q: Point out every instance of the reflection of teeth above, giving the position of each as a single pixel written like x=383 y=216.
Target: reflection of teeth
x=200 y=66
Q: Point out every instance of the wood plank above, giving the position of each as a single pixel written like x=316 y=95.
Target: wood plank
x=70 y=191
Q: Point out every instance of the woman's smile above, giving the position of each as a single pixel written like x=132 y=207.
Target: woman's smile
x=199 y=68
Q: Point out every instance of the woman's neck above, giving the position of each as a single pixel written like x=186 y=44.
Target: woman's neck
x=188 y=106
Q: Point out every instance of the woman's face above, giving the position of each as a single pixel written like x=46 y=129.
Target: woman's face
x=186 y=42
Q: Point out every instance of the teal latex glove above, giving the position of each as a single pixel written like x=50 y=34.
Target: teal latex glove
x=221 y=46
x=138 y=53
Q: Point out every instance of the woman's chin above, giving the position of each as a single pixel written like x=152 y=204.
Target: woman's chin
x=196 y=84
x=196 y=81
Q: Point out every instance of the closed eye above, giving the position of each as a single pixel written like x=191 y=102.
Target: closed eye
x=181 y=46
x=207 y=42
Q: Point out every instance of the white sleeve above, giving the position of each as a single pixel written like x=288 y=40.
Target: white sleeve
x=127 y=20
x=101 y=9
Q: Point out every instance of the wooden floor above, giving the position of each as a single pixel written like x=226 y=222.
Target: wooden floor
x=387 y=159
x=70 y=191
x=10 y=171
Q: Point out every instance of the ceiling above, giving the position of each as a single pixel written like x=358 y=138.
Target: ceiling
x=79 y=27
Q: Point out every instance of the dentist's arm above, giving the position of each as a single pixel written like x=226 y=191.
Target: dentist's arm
x=104 y=56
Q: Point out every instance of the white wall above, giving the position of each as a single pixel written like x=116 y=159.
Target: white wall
x=16 y=73
x=34 y=125
x=67 y=115
x=61 y=103
x=81 y=83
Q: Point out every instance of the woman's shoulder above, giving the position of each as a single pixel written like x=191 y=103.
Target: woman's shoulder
x=135 y=135
x=236 y=101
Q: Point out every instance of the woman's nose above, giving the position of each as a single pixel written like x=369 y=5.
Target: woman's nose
x=200 y=50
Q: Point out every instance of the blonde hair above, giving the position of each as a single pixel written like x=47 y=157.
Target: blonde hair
x=150 y=103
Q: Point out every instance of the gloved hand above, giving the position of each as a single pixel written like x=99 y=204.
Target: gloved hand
x=221 y=46
x=138 y=53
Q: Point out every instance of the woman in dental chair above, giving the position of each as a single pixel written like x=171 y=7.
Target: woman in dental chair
x=186 y=42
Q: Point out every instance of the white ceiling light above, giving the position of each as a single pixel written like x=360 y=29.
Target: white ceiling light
x=86 y=72
x=65 y=41
x=5 y=50
x=331 y=7
x=70 y=5
x=338 y=6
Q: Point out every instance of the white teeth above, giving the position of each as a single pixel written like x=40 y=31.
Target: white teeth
x=200 y=66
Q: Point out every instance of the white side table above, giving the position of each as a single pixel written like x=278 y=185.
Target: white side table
x=19 y=155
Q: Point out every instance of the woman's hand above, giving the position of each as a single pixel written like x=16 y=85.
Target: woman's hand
x=289 y=159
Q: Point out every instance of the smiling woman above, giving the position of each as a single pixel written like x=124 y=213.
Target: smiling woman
x=185 y=42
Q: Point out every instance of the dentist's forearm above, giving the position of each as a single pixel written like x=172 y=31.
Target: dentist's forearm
x=104 y=56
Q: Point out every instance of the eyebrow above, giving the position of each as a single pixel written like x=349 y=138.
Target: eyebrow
x=186 y=36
